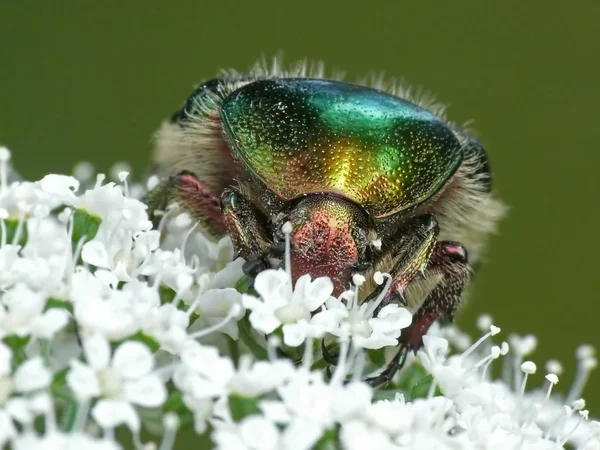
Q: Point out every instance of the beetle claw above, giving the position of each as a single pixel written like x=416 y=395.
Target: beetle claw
x=331 y=359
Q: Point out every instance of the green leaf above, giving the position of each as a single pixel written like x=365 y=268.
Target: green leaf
x=415 y=382
x=241 y=406
x=410 y=376
x=67 y=418
x=16 y=342
x=174 y=402
x=385 y=394
x=84 y=224
x=152 y=344
x=377 y=356
x=328 y=441
x=422 y=388
x=243 y=285
x=54 y=302
x=167 y=295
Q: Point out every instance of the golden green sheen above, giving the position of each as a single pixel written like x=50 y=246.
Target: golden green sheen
x=302 y=136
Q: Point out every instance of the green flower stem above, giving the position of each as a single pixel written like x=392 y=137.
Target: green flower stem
x=246 y=337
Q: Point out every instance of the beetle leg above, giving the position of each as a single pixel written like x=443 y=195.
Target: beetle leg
x=192 y=195
x=248 y=230
x=410 y=249
x=392 y=368
x=448 y=259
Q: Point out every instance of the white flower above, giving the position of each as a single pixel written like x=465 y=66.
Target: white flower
x=203 y=373
x=63 y=441
x=357 y=435
x=22 y=313
x=367 y=331
x=258 y=433
x=308 y=397
x=115 y=210
x=61 y=188
x=32 y=375
x=122 y=381
x=214 y=305
x=279 y=305
x=260 y=377
x=202 y=377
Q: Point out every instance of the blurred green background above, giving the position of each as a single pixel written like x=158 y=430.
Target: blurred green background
x=93 y=80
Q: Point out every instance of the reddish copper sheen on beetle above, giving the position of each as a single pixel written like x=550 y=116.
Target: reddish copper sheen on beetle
x=370 y=179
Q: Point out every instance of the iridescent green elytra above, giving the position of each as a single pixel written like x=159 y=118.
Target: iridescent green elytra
x=300 y=136
x=358 y=179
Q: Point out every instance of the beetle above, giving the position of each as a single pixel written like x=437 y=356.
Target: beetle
x=371 y=178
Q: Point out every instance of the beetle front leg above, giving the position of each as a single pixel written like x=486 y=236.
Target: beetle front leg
x=448 y=259
x=192 y=195
x=247 y=227
x=409 y=251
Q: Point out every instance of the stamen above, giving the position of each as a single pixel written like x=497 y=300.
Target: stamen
x=484 y=321
x=234 y=311
x=494 y=330
x=584 y=414
x=340 y=370
x=552 y=380
x=585 y=365
x=495 y=353
x=307 y=357
x=273 y=344
x=171 y=425
x=554 y=366
x=4 y=158
x=123 y=178
x=99 y=180
x=528 y=368
x=357 y=281
x=19 y=230
x=373 y=306
x=152 y=182
x=287 y=230
x=83 y=171
x=3 y=216
x=359 y=365
x=81 y=415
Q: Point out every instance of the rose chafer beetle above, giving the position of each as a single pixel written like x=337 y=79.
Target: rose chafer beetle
x=371 y=179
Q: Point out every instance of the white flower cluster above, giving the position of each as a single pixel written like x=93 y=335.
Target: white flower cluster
x=108 y=323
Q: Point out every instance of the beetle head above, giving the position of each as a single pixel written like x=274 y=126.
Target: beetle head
x=331 y=236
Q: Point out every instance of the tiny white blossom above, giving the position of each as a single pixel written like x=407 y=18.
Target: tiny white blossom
x=32 y=375
x=22 y=313
x=368 y=331
x=280 y=305
x=122 y=380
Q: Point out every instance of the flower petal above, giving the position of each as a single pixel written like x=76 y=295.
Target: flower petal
x=294 y=334
x=263 y=319
x=148 y=391
x=259 y=433
x=317 y=293
x=133 y=359
x=32 y=375
x=83 y=381
x=111 y=413
x=302 y=434
x=97 y=351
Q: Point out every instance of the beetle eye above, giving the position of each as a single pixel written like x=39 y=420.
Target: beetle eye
x=205 y=97
x=202 y=96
